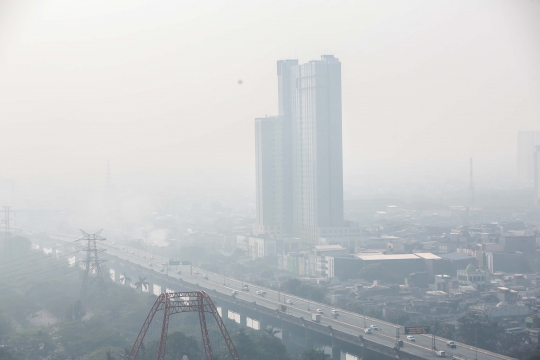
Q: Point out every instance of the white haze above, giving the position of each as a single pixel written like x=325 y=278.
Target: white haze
x=153 y=87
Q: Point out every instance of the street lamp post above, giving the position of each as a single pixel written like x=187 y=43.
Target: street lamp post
x=364 y=313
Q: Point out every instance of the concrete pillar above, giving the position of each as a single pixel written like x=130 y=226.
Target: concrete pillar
x=336 y=352
x=243 y=320
x=285 y=335
x=263 y=324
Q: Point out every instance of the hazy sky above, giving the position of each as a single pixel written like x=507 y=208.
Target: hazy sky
x=153 y=87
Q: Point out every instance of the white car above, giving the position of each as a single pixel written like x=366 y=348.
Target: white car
x=196 y=272
x=367 y=330
x=260 y=292
x=234 y=292
x=374 y=327
x=411 y=338
x=150 y=264
x=335 y=312
x=320 y=311
x=289 y=301
x=440 y=353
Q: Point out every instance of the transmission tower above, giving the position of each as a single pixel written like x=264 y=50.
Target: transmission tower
x=174 y=303
x=471 y=186
x=92 y=264
x=7 y=231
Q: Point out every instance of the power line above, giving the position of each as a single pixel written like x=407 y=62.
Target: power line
x=11 y=272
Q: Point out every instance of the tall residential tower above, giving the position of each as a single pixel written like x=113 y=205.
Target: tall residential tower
x=299 y=156
x=526 y=147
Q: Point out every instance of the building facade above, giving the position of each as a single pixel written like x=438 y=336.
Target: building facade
x=299 y=156
x=526 y=146
x=270 y=192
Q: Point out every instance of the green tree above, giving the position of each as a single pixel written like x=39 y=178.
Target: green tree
x=142 y=283
x=124 y=279
x=533 y=356
x=314 y=354
x=477 y=330
x=245 y=346
x=271 y=331
x=5 y=355
x=6 y=327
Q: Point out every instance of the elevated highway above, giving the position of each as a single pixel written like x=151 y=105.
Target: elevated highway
x=347 y=328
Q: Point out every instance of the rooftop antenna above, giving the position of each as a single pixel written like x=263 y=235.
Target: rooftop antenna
x=471 y=185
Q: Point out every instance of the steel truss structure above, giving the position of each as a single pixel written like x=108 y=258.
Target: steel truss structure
x=174 y=303
x=92 y=264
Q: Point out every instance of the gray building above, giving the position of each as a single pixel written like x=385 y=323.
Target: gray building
x=270 y=191
x=299 y=156
x=526 y=145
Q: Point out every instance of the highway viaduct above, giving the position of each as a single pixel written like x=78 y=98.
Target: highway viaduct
x=343 y=333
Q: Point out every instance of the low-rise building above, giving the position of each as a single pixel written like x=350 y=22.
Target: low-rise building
x=479 y=279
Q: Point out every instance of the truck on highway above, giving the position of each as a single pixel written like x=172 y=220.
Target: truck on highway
x=316 y=317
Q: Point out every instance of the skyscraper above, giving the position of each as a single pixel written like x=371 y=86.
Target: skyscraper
x=269 y=157
x=306 y=182
x=526 y=143
x=317 y=147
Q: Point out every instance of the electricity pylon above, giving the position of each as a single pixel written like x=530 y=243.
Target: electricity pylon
x=92 y=264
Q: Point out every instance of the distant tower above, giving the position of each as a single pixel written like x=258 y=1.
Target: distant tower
x=92 y=264
x=108 y=184
x=526 y=148
x=471 y=186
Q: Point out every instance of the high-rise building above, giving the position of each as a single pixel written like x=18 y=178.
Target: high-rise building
x=304 y=189
x=270 y=169
x=526 y=143
x=317 y=147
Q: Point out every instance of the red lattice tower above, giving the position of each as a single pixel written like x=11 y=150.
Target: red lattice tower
x=174 y=303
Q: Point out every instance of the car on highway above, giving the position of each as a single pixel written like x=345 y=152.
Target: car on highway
x=451 y=344
x=179 y=272
x=151 y=257
x=196 y=272
x=440 y=353
x=260 y=292
x=374 y=327
x=245 y=288
x=367 y=331
x=150 y=264
x=335 y=312
x=289 y=301
x=205 y=276
x=320 y=311
x=234 y=292
x=162 y=270
x=411 y=338
x=399 y=343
